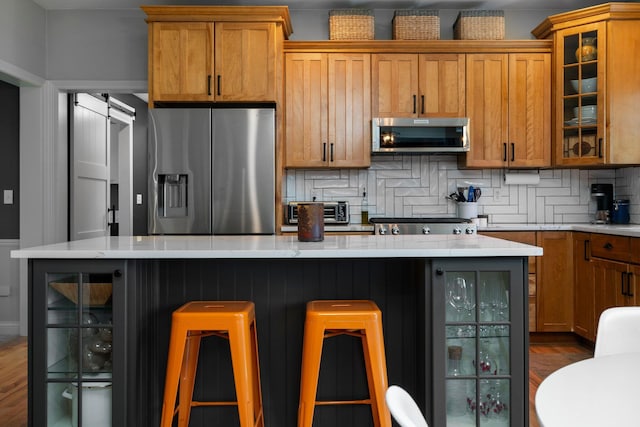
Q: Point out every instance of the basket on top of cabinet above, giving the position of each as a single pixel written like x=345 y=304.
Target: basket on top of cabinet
x=351 y=24
x=416 y=24
x=479 y=25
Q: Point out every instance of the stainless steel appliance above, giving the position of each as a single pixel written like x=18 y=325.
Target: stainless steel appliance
x=424 y=135
x=212 y=171
x=334 y=212
x=399 y=226
x=603 y=193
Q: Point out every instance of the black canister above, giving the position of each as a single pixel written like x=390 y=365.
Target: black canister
x=620 y=211
x=310 y=222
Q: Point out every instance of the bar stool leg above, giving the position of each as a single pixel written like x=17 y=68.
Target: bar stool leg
x=188 y=378
x=174 y=367
x=311 y=355
x=376 y=365
x=257 y=386
x=240 y=342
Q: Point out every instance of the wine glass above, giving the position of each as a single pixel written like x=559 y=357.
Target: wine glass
x=458 y=295
x=470 y=299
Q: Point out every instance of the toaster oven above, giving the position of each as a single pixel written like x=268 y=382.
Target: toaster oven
x=334 y=212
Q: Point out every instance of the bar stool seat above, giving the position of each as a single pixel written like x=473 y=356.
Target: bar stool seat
x=327 y=318
x=233 y=320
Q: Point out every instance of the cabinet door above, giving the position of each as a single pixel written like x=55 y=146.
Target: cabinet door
x=529 y=110
x=181 y=61
x=479 y=344
x=579 y=96
x=306 y=136
x=395 y=85
x=487 y=109
x=633 y=286
x=584 y=288
x=77 y=340
x=442 y=85
x=610 y=279
x=245 y=59
x=555 y=282
x=349 y=110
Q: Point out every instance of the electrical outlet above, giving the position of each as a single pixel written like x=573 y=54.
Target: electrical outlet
x=8 y=197
x=138 y=199
x=497 y=194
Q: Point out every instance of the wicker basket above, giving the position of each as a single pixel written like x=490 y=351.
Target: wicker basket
x=93 y=294
x=479 y=25
x=418 y=24
x=351 y=24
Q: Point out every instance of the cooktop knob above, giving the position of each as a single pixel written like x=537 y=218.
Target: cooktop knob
x=426 y=230
x=395 y=230
x=457 y=230
x=469 y=231
x=382 y=230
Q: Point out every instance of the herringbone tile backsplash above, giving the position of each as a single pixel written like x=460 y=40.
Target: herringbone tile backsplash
x=416 y=185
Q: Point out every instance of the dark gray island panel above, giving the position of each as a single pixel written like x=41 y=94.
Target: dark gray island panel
x=406 y=289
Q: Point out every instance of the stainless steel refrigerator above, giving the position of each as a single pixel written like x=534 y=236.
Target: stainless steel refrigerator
x=212 y=171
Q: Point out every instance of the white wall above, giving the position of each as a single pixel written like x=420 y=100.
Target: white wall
x=22 y=39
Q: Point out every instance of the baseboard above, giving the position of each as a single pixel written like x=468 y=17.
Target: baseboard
x=9 y=328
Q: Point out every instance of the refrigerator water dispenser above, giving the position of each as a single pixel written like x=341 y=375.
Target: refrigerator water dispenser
x=173 y=199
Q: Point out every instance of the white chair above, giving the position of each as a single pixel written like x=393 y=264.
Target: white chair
x=618 y=331
x=403 y=408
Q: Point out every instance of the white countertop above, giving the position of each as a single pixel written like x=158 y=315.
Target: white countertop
x=630 y=230
x=333 y=246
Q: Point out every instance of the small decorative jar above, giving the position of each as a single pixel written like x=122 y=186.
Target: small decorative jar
x=588 y=50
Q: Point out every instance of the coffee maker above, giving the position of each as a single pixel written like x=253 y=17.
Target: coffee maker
x=603 y=193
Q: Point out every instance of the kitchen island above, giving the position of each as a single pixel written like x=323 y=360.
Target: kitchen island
x=151 y=276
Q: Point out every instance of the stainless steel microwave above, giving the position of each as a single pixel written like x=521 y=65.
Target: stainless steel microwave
x=422 y=135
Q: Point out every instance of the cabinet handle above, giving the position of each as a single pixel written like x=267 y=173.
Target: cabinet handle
x=629 y=291
x=587 y=244
x=600 y=147
x=117 y=273
x=414 y=104
x=608 y=246
x=504 y=151
x=331 y=153
x=324 y=151
x=422 y=104
x=219 y=80
x=622 y=288
x=209 y=85
x=513 y=152
x=439 y=272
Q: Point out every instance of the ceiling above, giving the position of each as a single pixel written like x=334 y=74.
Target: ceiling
x=331 y=4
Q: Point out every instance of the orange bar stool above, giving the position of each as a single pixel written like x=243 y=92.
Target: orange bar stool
x=233 y=320
x=359 y=318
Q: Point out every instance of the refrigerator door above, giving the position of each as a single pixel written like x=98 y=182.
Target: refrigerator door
x=243 y=171
x=180 y=171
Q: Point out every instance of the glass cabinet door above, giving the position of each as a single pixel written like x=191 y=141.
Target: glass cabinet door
x=478 y=351
x=581 y=97
x=73 y=372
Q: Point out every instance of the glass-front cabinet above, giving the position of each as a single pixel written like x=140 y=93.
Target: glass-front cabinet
x=480 y=332
x=581 y=106
x=78 y=350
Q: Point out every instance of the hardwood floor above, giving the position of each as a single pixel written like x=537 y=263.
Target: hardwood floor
x=13 y=382
x=544 y=358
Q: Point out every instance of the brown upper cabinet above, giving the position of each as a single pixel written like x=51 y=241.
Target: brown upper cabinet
x=596 y=83
x=508 y=100
x=418 y=85
x=215 y=53
x=327 y=110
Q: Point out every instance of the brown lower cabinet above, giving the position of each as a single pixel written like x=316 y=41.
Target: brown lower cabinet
x=550 y=278
x=606 y=275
